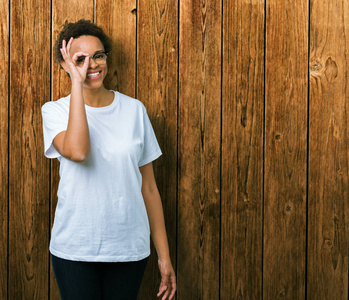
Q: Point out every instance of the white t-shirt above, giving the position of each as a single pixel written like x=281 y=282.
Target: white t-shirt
x=101 y=215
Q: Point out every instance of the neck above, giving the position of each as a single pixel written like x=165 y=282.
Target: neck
x=96 y=97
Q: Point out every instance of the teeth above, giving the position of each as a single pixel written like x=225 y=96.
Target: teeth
x=93 y=74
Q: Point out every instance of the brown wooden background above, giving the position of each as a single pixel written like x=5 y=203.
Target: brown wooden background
x=248 y=99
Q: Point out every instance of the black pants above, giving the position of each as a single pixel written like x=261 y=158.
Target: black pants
x=97 y=280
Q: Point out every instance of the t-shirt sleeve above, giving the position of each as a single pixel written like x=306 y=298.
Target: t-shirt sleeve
x=151 y=148
x=55 y=120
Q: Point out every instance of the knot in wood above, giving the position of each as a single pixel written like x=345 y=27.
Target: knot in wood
x=288 y=208
x=282 y=293
x=327 y=244
x=29 y=58
x=319 y=67
x=316 y=67
x=331 y=69
x=243 y=120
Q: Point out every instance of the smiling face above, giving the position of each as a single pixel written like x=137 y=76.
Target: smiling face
x=95 y=73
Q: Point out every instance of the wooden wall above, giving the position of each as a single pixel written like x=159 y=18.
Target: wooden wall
x=248 y=99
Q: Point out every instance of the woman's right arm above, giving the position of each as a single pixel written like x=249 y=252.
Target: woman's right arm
x=74 y=143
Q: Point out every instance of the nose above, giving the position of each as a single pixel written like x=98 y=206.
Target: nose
x=92 y=63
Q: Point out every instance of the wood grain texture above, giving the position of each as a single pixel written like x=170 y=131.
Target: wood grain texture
x=199 y=149
x=216 y=228
x=63 y=12
x=329 y=151
x=157 y=88
x=118 y=20
x=4 y=93
x=285 y=150
x=29 y=170
x=242 y=149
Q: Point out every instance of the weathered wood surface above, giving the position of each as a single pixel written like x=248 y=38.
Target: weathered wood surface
x=157 y=89
x=285 y=184
x=328 y=151
x=63 y=12
x=199 y=149
x=29 y=169
x=246 y=144
x=118 y=20
x=242 y=149
x=4 y=103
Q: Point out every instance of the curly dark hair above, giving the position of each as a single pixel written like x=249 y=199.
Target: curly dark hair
x=77 y=29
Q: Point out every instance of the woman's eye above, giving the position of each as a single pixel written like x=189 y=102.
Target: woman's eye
x=80 y=59
x=98 y=56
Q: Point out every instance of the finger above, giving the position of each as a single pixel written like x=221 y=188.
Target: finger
x=78 y=54
x=166 y=294
x=86 y=64
x=64 y=54
x=172 y=286
x=64 y=46
x=172 y=293
x=81 y=54
x=69 y=44
x=63 y=50
x=164 y=280
x=67 y=59
x=161 y=289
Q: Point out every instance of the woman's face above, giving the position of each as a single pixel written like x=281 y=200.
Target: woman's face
x=95 y=73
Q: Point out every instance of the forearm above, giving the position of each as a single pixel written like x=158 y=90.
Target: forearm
x=76 y=143
x=157 y=223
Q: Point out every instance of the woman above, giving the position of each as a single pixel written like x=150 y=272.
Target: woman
x=108 y=202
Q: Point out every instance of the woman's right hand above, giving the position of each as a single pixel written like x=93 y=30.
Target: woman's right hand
x=76 y=72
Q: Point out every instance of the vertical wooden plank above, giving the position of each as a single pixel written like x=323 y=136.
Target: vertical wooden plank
x=199 y=149
x=118 y=20
x=4 y=80
x=157 y=89
x=63 y=12
x=29 y=170
x=328 y=151
x=242 y=149
x=285 y=149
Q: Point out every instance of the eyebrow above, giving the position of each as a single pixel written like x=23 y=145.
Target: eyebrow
x=98 y=51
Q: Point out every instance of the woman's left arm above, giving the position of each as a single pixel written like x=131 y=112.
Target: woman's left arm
x=153 y=205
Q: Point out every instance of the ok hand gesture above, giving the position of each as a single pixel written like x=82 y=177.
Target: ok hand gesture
x=77 y=73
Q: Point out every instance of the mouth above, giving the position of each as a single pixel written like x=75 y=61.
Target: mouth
x=94 y=75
